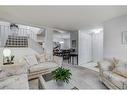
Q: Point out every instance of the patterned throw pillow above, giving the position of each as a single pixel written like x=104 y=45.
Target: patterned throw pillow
x=31 y=60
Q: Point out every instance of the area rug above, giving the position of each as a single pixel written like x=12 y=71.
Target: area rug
x=82 y=78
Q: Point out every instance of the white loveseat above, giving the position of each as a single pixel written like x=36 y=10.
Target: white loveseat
x=39 y=65
x=113 y=74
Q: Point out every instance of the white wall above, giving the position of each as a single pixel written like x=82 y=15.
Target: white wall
x=113 y=46
x=66 y=44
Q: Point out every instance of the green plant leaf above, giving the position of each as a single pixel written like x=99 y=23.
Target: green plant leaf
x=62 y=74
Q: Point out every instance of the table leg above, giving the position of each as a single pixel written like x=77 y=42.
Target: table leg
x=77 y=60
x=72 y=60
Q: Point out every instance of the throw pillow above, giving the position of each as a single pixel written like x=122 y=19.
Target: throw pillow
x=121 y=69
x=115 y=62
x=37 y=57
x=112 y=62
x=105 y=65
x=42 y=58
x=31 y=60
x=48 y=58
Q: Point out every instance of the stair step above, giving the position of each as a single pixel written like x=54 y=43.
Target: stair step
x=16 y=46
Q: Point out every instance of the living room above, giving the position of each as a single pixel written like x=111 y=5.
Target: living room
x=88 y=48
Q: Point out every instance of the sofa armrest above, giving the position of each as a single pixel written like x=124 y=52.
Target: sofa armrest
x=14 y=69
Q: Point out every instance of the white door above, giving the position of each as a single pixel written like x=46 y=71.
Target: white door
x=85 y=47
x=97 y=45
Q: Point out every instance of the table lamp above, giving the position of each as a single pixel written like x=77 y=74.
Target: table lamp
x=7 y=58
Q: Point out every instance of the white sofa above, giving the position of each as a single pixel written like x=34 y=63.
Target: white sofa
x=113 y=74
x=39 y=65
x=16 y=76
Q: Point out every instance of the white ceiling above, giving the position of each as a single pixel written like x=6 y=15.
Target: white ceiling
x=61 y=35
x=62 y=17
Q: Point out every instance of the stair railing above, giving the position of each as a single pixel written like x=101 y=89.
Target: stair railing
x=5 y=31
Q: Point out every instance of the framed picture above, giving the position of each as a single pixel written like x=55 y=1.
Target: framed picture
x=124 y=37
x=73 y=43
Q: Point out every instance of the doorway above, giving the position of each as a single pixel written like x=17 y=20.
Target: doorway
x=90 y=47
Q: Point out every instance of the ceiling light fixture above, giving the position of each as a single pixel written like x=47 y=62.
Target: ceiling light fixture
x=61 y=42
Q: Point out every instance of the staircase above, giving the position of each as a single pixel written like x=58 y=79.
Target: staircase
x=23 y=42
x=23 y=38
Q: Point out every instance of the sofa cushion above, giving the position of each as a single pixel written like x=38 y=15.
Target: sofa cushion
x=43 y=66
x=118 y=80
x=31 y=60
x=121 y=69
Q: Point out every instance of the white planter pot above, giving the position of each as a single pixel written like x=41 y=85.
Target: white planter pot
x=60 y=83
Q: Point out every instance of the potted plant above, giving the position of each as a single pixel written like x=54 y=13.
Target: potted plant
x=61 y=75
